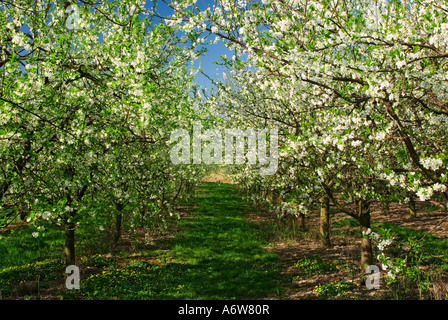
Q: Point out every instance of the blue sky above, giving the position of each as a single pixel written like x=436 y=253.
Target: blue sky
x=214 y=51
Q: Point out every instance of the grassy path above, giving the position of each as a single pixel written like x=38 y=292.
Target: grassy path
x=215 y=254
x=218 y=254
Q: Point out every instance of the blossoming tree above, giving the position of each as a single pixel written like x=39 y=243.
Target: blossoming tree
x=358 y=89
x=89 y=94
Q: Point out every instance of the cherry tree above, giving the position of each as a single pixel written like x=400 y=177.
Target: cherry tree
x=89 y=94
x=358 y=89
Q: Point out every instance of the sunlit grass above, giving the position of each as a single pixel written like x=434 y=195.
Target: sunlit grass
x=19 y=246
x=217 y=255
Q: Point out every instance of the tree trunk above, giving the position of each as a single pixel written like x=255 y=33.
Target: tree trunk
x=273 y=198
x=264 y=194
x=302 y=221
x=117 y=235
x=69 y=225
x=412 y=210
x=69 y=247
x=325 y=221
x=118 y=223
x=366 y=244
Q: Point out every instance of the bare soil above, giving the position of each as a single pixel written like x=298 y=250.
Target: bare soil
x=218 y=177
x=345 y=250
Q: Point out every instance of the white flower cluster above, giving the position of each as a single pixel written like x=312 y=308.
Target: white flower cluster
x=388 y=264
x=431 y=163
x=292 y=209
x=384 y=243
x=369 y=233
x=425 y=193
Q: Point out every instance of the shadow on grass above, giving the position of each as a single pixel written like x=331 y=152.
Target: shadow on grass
x=218 y=255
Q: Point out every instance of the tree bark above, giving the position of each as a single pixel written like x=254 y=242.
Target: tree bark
x=118 y=223
x=69 y=225
x=69 y=247
x=302 y=221
x=325 y=221
x=412 y=210
x=366 y=244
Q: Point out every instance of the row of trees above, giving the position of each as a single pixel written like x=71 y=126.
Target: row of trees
x=358 y=90
x=89 y=93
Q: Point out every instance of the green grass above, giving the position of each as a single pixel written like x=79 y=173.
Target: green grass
x=217 y=255
x=313 y=265
x=19 y=247
x=331 y=290
x=432 y=250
